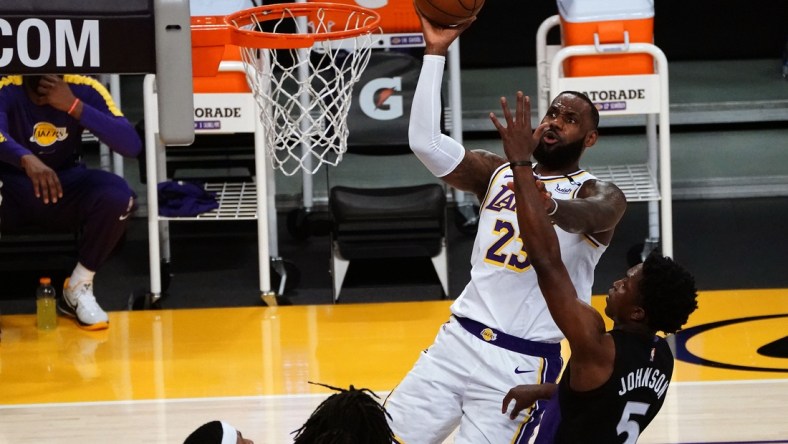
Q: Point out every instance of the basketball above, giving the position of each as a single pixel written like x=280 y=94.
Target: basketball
x=449 y=12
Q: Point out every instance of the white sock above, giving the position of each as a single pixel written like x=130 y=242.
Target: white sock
x=80 y=275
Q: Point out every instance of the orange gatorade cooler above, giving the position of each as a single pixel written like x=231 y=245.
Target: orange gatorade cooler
x=609 y=24
x=210 y=47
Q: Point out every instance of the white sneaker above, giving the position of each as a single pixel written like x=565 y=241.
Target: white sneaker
x=80 y=303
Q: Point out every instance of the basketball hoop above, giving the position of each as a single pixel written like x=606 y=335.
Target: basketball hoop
x=301 y=62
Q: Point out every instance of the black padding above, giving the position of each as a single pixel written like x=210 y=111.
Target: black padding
x=397 y=222
x=85 y=7
x=379 y=116
x=208 y=152
x=684 y=30
x=388 y=222
x=125 y=41
x=413 y=202
x=27 y=254
x=35 y=243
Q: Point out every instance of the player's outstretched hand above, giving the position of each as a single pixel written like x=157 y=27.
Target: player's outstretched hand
x=525 y=396
x=519 y=140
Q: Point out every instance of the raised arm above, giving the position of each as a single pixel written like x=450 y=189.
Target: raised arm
x=95 y=110
x=99 y=114
x=442 y=155
x=581 y=324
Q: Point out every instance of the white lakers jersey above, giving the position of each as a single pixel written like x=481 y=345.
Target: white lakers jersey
x=503 y=292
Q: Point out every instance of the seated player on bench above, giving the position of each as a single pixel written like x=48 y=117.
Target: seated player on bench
x=46 y=184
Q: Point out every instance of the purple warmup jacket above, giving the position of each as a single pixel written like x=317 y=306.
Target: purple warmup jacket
x=53 y=135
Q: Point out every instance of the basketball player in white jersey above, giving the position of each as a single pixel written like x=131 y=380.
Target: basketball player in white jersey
x=500 y=333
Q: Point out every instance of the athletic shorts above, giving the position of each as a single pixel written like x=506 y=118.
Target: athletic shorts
x=461 y=381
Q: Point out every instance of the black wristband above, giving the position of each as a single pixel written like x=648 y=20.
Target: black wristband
x=521 y=163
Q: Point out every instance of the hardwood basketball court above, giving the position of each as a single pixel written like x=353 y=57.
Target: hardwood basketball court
x=156 y=375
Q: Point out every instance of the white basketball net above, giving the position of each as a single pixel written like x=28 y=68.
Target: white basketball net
x=304 y=94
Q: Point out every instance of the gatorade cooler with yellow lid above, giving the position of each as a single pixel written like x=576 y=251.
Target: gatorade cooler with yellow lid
x=610 y=25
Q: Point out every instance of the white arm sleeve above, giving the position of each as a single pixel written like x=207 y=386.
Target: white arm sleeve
x=439 y=153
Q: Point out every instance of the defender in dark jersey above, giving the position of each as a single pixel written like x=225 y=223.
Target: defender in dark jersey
x=45 y=184
x=615 y=381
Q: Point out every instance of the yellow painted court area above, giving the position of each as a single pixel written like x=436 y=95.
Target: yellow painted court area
x=737 y=343
x=189 y=353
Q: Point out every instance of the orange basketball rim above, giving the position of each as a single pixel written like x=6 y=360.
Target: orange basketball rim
x=246 y=29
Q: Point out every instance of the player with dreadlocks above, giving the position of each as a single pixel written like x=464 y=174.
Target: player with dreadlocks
x=351 y=416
